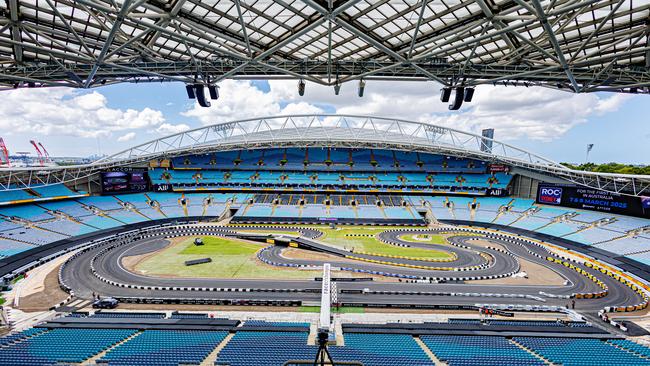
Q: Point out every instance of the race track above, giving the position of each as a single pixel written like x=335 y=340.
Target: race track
x=98 y=269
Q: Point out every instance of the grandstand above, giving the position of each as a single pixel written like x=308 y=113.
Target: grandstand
x=410 y=225
x=322 y=239
x=316 y=185
x=279 y=343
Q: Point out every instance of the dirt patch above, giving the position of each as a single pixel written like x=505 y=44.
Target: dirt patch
x=484 y=244
x=49 y=295
x=131 y=262
x=192 y=307
x=537 y=275
x=293 y=253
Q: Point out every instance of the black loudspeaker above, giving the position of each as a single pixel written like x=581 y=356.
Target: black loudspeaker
x=469 y=94
x=199 y=90
x=214 y=92
x=190 y=91
x=445 y=93
x=458 y=99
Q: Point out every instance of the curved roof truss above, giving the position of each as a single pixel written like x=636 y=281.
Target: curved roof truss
x=574 y=45
x=328 y=130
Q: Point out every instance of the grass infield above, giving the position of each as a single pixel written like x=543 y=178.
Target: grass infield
x=230 y=259
x=342 y=238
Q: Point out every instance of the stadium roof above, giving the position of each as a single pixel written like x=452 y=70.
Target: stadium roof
x=576 y=45
x=326 y=130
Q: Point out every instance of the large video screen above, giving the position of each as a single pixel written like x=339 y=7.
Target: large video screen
x=593 y=199
x=124 y=181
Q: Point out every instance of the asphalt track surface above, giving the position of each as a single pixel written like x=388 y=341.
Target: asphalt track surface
x=79 y=277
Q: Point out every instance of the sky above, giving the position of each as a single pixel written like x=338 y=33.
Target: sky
x=554 y=124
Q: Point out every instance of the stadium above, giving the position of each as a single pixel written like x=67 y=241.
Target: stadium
x=323 y=239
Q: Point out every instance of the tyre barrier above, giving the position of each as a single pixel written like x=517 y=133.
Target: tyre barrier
x=62 y=303
x=120 y=238
x=434 y=260
x=276 y=264
x=406 y=265
x=417 y=266
x=253 y=221
x=612 y=322
x=590 y=295
x=179 y=288
x=194 y=301
x=554 y=296
x=479 y=267
x=568 y=262
x=381 y=238
x=526 y=308
x=309 y=233
x=442 y=293
x=639 y=290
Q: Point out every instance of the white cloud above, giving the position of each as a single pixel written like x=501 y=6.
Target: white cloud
x=126 y=137
x=241 y=100
x=62 y=111
x=169 y=129
x=534 y=113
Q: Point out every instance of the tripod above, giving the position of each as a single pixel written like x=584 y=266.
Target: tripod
x=323 y=355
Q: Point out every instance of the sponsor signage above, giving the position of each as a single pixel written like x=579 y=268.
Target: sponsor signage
x=593 y=199
x=162 y=187
x=497 y=168
x=550 y=195
x=498 y=192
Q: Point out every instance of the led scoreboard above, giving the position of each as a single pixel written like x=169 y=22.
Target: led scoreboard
x=124 y=180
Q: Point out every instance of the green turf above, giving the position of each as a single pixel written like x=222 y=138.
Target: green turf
x=340 y=239
x=221 y=246
x=432 y=238
x=292 y=233
x=230 y=259
x=341 y=310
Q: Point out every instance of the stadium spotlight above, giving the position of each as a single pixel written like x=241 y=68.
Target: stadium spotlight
x=190 y=91
x=445 y=93
x=199 y=91
x=337 y=88
x=362 y=87
x=458 y=99
x=214 y=92
x=301 y=87
x=469 y=94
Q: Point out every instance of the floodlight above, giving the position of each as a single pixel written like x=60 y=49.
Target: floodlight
x=445 y=93
x=301 y=87
x=458 y=99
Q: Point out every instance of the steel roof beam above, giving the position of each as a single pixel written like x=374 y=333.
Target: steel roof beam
x=369 y=39
x=15 y=30
x=541 y=15
x=109 y=40
x=243 y=28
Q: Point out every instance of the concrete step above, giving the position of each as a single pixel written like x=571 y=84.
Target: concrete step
x=212 y=357
x=431 y=355
x=93 y=359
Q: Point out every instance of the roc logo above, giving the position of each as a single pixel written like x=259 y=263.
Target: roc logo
x=552 y=196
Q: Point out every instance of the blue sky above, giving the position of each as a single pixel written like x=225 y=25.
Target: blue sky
x=554 y=124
